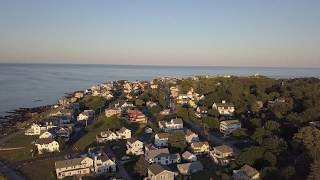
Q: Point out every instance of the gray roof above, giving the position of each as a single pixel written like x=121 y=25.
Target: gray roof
x=69 y=162
x=187 y=155
x=187 y=167
x=177 y=121
x=224 y=149
x=151 y=154
x=156 y=168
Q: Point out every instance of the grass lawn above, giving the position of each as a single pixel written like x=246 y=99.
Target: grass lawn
x=18 y=154
x=101 y=124
x=41 y=169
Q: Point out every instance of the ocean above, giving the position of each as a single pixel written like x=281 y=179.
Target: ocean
x=29 y=85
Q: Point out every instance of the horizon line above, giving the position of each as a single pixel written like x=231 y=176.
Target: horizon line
x=160 y=65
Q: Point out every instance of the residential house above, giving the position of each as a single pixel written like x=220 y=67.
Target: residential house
x=47 y=145
x=154 y=86
x=222 y=155
x=200 y=147
x=46 y=134
x=136 y=116
x=112 y=111
x=74 y=167
x=161 y=156
x=201 y=111
x=86 y=115
x=183 y=99
x=63 y=132
x=161 y=139
x=224 y=108
x=78 y=94
x=174 y=92
x=104 y=165
x=228 y=126
x=190 y=168
x=246 y=172
x=191 y=136
x=151 y=104
x=105 y=136
x=134 y=147
x=124 y=133
x=174 y=124
x=34 y=129
x=165 y=112
x=189 y=157
x=158 y=172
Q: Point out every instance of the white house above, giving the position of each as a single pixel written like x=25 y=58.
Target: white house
x=112 y=111
x=105 y=136
x=182 y=99
x=47 y=145
x=161 y=139
x=157 y=172
x=174 y=124
x=201 y=111
x=189 y=157
x=34 y=129
x=104 y=165
x=134 y=147
x=165 y=112
x=228 y=126
x=190 y=168
x=161 y=156
x=191 y=136
x=86 y=115
x=46 y=134
x=73 y=167
x=124 y=133
x=222 y=155
x=224 y=108
x=200 y=147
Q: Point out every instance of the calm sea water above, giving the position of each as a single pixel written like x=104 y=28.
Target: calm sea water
x=23 y=85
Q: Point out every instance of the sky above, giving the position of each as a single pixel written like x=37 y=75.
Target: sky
x=272 y=33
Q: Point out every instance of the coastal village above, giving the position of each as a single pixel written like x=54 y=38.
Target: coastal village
x=159 y=129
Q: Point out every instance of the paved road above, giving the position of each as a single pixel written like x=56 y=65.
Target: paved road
x=121 y=170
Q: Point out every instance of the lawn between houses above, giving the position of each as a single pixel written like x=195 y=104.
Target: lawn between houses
x=18 y=154
x=101 y=124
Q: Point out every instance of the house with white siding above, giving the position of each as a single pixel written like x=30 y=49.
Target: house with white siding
x=47 y=145
x=74 y=167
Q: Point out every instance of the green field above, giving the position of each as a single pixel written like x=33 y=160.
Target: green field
x=101 y=124
x=18 y=154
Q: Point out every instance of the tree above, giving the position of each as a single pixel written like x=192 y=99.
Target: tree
x=274 y=144
x=259 y=134
x=177 y=141
x=270 y=158
x=250 y=155
x=272 y=126
x=141 y=167
x=139 y=102
x=213 y=112
x=288 y=172
x=314 y=171
x=93 y=102
x=240 y=133
x=211 y=123
x=309 y=137
x=270 y=173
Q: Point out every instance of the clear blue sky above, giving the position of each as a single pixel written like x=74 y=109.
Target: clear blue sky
x=167 y=32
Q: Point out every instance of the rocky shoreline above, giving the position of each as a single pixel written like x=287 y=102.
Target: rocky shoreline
x=17 y=119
